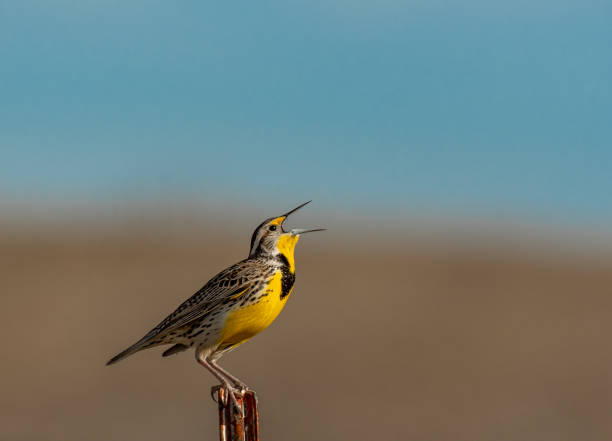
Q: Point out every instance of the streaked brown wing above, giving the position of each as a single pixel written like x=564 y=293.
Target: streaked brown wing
x=232 y=282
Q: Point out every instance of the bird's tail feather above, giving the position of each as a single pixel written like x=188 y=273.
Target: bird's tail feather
x=129 y=351
x=144 y=343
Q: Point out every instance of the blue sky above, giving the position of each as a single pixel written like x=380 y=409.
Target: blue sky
x=502 y=108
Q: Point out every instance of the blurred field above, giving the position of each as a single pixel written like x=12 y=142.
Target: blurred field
x=407 y=341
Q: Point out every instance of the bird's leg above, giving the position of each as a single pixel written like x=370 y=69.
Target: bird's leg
x=237 y=381
x=229 y=389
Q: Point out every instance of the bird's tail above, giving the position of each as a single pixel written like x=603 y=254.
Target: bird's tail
x=120 y=356
x=144 y=343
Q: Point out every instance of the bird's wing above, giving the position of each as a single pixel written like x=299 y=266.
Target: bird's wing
x=230 y=283
x=235 y=281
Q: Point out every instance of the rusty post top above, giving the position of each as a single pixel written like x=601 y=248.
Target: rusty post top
x=232 y=425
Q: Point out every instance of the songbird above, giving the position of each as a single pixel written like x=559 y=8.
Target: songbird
x=233 y=306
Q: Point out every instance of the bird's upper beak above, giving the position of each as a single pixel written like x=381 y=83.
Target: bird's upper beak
x=296 y=231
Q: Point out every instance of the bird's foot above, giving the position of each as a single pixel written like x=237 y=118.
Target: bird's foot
x=214 y=392
x=229 y=397
x=243 y=388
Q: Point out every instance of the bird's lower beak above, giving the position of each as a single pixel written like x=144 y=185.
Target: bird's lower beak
x=296 y=231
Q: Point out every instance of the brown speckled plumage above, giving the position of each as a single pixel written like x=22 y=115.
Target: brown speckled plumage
x=194 y=321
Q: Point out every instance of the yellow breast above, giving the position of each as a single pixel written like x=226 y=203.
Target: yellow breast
x=249 y=320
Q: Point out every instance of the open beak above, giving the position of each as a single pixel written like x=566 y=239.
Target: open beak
x=296 y=231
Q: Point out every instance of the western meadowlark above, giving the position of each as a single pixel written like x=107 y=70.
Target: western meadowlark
x=233 y=306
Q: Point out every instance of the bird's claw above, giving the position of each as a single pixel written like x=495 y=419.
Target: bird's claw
x=214 y=392
x=229 y=395
x=242 y=388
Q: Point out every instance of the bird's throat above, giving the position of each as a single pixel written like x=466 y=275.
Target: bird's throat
x=286 y=246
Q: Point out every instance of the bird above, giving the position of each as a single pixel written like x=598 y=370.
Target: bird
x=233 y=306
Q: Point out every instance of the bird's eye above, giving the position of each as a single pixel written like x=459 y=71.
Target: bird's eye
x=272 y=228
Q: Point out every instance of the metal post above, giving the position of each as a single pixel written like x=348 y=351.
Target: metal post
x=234 y=427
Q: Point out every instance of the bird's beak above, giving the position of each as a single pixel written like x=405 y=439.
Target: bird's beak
x=296 y=231
x=290 y=212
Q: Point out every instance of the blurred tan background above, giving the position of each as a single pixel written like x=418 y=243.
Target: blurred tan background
x=411 y=338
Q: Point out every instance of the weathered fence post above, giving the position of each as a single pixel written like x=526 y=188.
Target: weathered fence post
x=234 y=427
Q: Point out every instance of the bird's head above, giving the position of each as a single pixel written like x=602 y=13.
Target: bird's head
x=271 y=238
